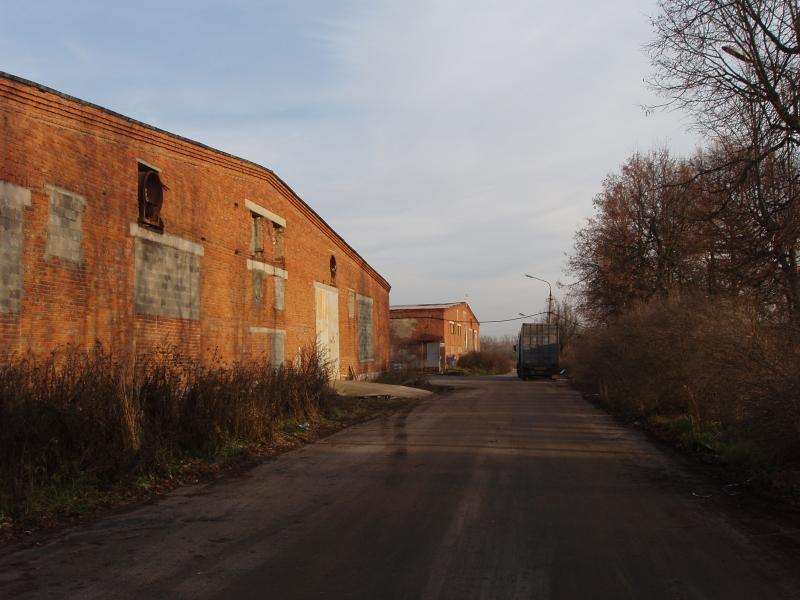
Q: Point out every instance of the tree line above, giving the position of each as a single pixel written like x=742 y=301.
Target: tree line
x=724 y=221
x=687 y=276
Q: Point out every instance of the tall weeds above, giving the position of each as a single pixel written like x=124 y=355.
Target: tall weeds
x=78 y=415
x=732 y=376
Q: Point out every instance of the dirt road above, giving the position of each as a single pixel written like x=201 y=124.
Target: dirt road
x=503 y=489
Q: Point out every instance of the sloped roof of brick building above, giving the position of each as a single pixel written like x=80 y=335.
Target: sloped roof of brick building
x=267 y=173
x=424 y=306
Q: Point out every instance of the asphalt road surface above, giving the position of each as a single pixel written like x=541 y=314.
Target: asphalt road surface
x=502 y=489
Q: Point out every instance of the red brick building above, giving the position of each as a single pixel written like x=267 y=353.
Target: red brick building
x=433 y=336
x=116 y=231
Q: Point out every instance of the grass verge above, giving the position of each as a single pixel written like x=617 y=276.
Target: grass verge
x=73 y=500
x=82 y=430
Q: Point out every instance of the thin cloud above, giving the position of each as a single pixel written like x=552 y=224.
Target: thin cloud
x=454 y=144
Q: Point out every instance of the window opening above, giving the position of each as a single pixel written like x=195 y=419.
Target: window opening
x=278 y=241
x=257 y=237
x=151 y=198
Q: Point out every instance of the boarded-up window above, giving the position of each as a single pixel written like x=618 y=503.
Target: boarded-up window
x=13 y=200
x=257 y=235
x=269 y=343
x=258 y=286
x=65 y=226
x=278 y=347
x=278 y=241
x=280 y=287
x=365 y=329
x=167 y=281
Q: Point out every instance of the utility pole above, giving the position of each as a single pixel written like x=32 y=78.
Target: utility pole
x=549 y=296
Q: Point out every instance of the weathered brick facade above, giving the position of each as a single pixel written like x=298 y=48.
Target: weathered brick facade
x=236 y=271
x=433 y=336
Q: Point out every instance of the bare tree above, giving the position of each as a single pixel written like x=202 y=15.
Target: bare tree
x=568 y=321
x=718 y=57
x=731 y=232
x=751 y=223
x=643 y=240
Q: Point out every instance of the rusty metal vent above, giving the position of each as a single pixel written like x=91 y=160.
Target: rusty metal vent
x=151 y=198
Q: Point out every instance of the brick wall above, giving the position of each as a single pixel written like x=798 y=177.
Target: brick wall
x=76 y=266
x=454 y=326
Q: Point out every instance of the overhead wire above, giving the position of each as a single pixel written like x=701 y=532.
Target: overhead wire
x=433 y=318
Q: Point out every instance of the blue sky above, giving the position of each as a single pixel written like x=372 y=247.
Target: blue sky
x=454 y=144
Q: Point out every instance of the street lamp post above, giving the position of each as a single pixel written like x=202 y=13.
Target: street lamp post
x=549 y=297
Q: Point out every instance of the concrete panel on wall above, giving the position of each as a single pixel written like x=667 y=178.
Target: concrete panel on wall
x=365 y=329
x=275 y=343
x=280 y=293
x=65 y=226
x=278 y=347
x=167 y=277
x=258 y=286
x=260 y=270
x=13 y=200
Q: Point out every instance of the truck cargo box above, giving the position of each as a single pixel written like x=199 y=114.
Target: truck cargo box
x=537 y=350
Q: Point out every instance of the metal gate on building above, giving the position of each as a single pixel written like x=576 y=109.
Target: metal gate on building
x=432 y=355
x=327 y=322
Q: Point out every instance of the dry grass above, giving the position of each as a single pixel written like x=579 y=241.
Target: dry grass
x=710 y=371
x=405 y=374
x=76 y=423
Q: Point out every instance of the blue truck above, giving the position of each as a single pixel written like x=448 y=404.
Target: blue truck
x=537 y=350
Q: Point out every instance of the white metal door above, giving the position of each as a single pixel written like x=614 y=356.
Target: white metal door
x=327 y=321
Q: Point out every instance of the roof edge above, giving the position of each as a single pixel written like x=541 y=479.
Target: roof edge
x=284 y=188
x=438 y=306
